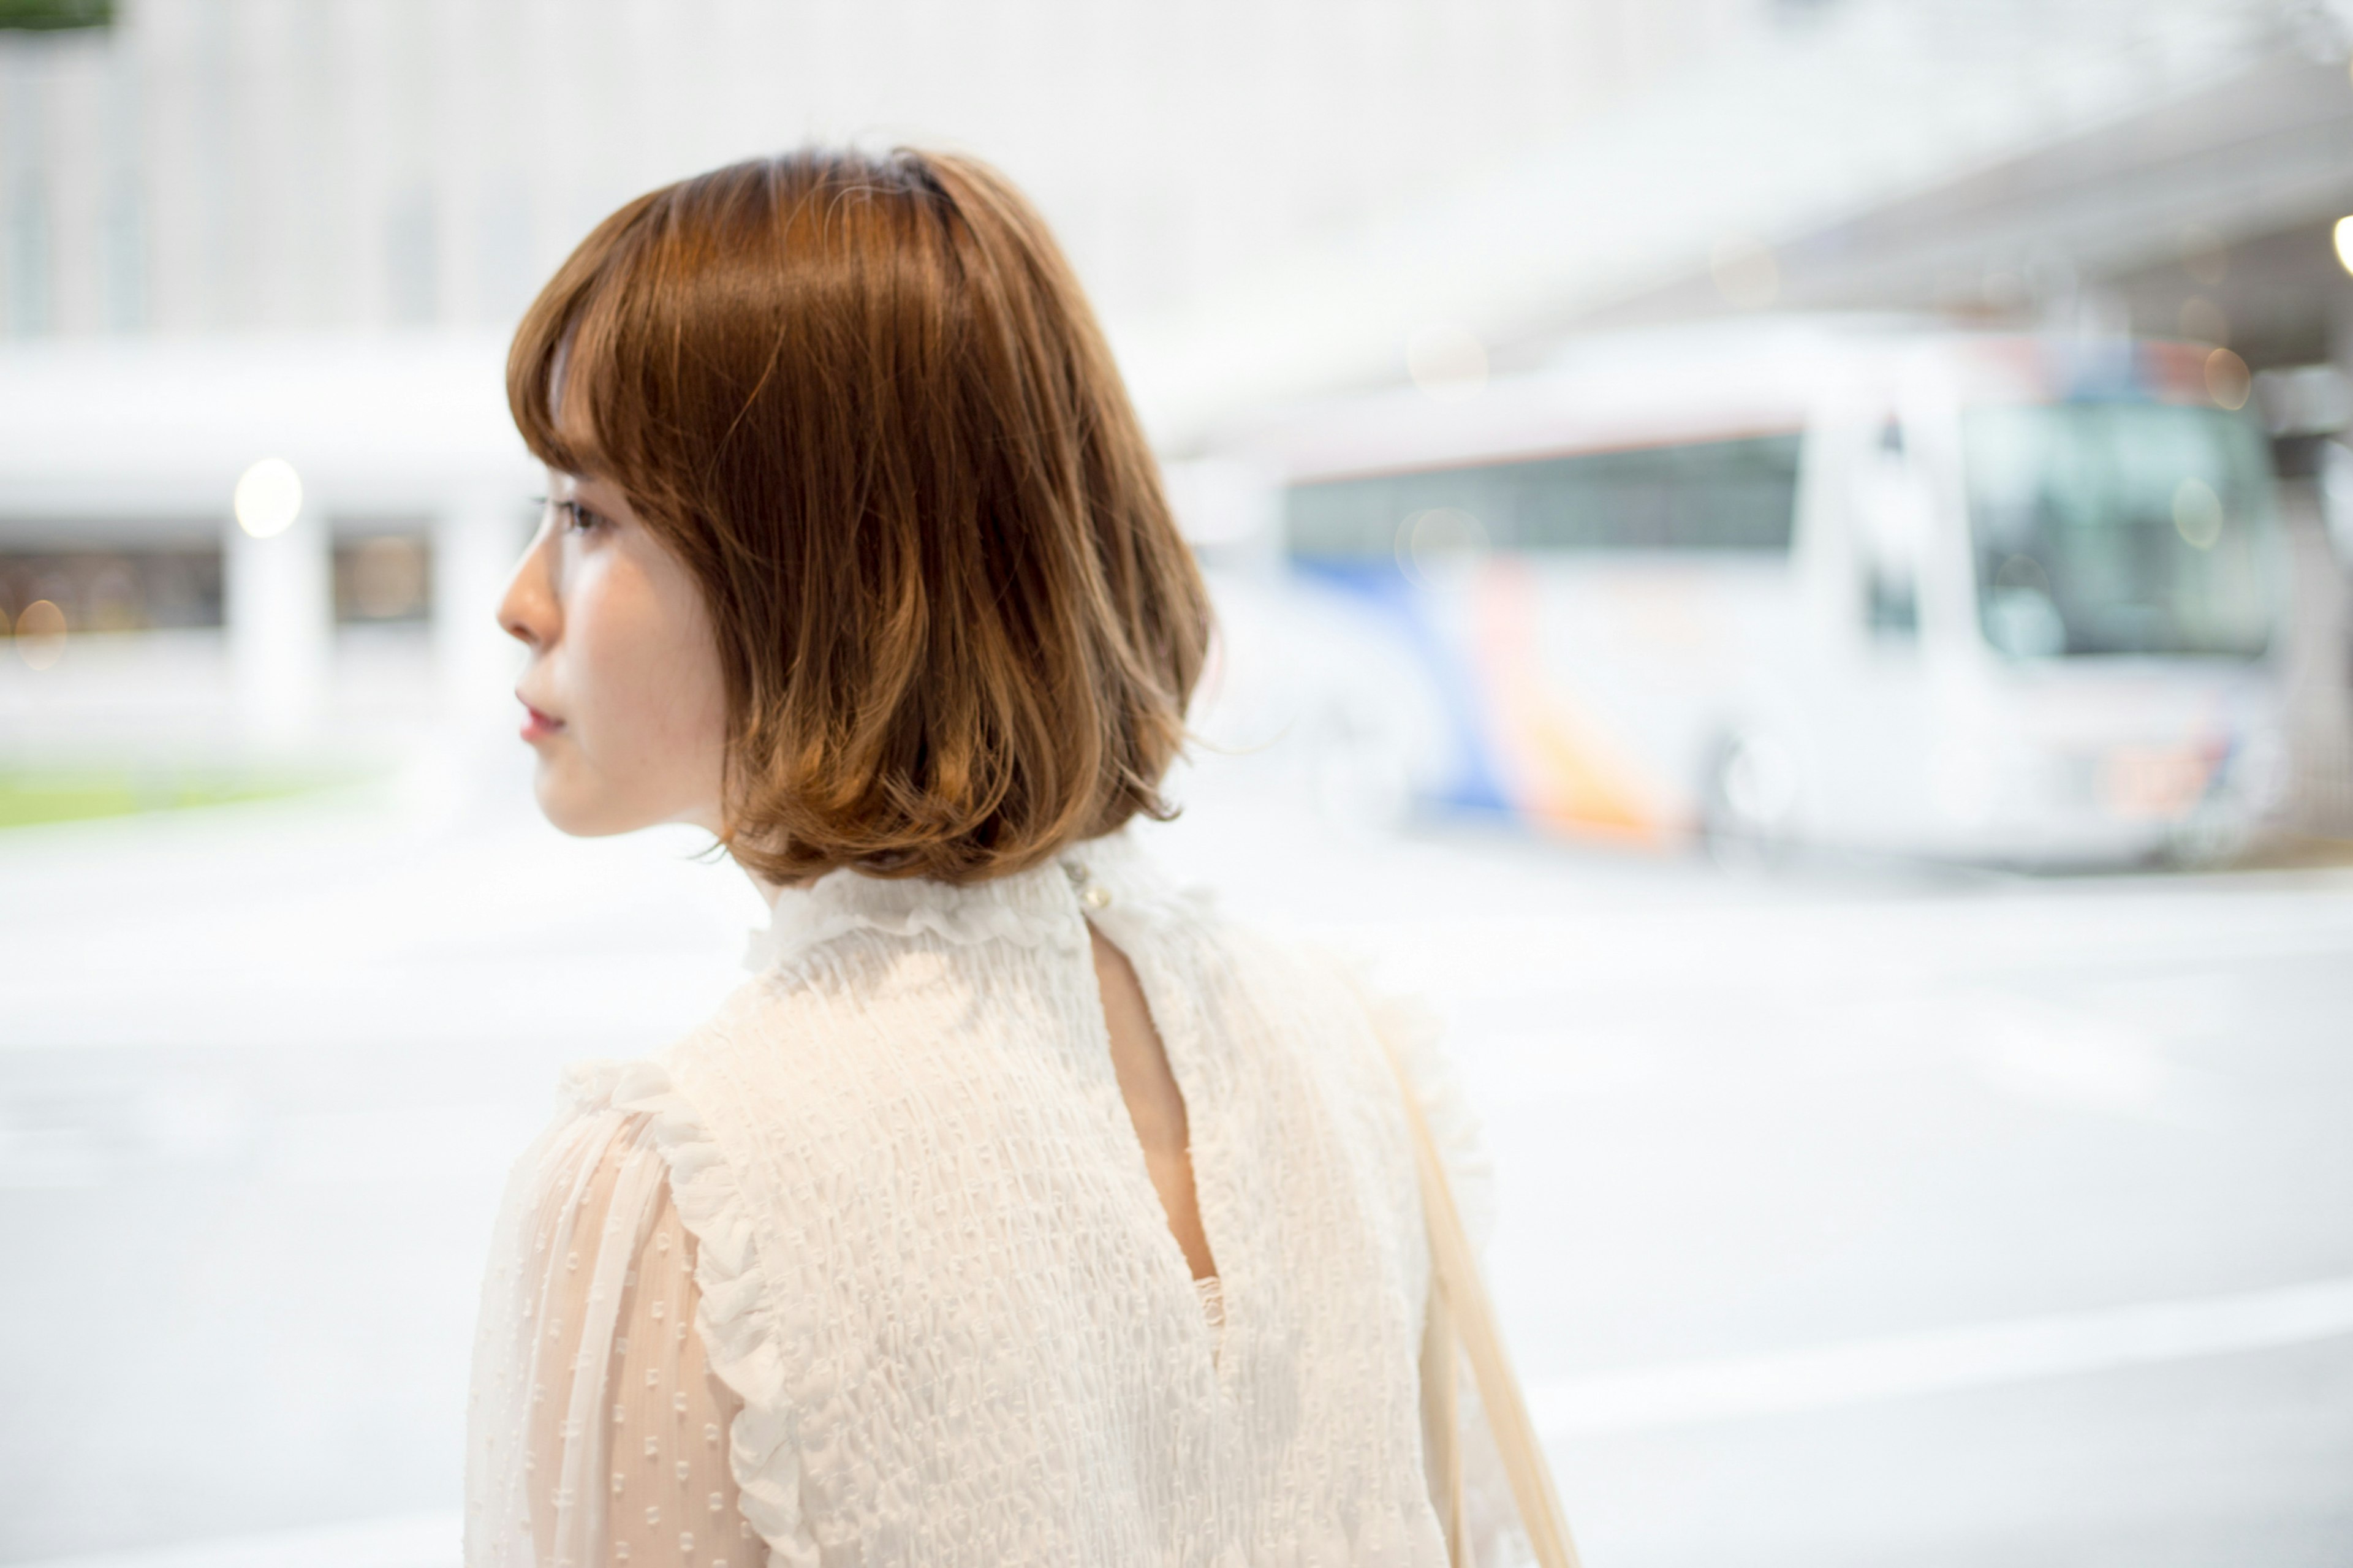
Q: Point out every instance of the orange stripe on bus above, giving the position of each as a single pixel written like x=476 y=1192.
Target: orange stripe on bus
x=1559 y=760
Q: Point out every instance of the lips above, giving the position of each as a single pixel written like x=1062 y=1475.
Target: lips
x=536 y=725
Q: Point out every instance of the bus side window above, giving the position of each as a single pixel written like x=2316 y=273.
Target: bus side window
x=1738 y=495
x=1890 y=523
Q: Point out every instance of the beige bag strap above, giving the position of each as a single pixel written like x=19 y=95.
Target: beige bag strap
x=1461 y=1313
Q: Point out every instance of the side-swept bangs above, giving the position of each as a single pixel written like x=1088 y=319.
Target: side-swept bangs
x=866 y=404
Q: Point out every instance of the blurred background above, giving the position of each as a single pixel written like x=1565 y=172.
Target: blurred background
x=1784 y=561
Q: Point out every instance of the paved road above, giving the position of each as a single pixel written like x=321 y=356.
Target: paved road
x=1848 y=1219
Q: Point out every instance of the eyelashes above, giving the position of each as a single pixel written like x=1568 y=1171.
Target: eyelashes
x=576 y=517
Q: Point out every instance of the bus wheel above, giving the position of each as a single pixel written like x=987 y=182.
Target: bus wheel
x=1748 y=802
x=2208 y=840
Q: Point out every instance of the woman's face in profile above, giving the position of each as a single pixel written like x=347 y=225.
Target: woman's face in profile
x=623 y=699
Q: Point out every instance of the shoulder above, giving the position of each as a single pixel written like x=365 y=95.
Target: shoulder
x=1414 y=1038
x=613 y=1109
x=1343 y=1008
x=627 y=1148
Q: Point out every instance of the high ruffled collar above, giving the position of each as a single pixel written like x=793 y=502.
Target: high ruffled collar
x=1111 y=879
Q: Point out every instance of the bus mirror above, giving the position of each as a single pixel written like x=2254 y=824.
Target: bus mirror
x=1891 y=529
x=2337 y=497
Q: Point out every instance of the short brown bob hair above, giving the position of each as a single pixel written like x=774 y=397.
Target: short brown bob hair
x=864 y=401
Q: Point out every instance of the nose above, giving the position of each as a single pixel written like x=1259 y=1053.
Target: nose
x=528 y=611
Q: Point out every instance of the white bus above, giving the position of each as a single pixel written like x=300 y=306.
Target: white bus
x=1997 y=598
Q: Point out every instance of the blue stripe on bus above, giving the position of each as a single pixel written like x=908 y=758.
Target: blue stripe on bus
x=1381 y=587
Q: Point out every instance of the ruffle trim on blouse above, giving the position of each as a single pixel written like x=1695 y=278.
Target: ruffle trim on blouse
x=740 y=1346
x=1035 y=907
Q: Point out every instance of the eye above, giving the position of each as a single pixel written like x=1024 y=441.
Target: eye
x=576 y=518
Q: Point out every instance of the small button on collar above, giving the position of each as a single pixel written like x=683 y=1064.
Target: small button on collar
x=1091 y=893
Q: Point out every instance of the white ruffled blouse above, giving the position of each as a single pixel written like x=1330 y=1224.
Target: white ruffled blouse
x=870 y=1268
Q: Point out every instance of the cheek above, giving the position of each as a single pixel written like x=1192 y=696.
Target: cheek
x=650 y=705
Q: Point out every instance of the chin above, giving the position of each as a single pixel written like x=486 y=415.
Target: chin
x=580 y=811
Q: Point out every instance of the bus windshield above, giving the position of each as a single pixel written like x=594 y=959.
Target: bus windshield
x=2120 y=528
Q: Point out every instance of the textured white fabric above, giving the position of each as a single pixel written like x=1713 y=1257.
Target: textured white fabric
x=939 y=1316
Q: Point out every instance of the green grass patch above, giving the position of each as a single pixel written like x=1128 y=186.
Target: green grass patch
x=55 y=15
x=29 y=797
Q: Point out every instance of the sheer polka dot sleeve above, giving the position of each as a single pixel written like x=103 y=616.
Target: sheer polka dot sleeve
x=610 y=1443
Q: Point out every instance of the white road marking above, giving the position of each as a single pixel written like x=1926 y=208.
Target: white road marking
x=1906 y=1366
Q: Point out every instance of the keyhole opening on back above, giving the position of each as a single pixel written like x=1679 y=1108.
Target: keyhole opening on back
x=1155 y=1106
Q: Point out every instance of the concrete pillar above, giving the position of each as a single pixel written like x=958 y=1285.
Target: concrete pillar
x=477 y=539
x=2336 y=493
x=280 y=605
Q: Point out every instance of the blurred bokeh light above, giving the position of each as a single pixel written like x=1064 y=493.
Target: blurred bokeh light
x=268 y=497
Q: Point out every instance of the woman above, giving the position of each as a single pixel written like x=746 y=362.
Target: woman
x=1017 y=1209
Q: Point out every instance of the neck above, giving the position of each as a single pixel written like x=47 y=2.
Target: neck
x=769 y=892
